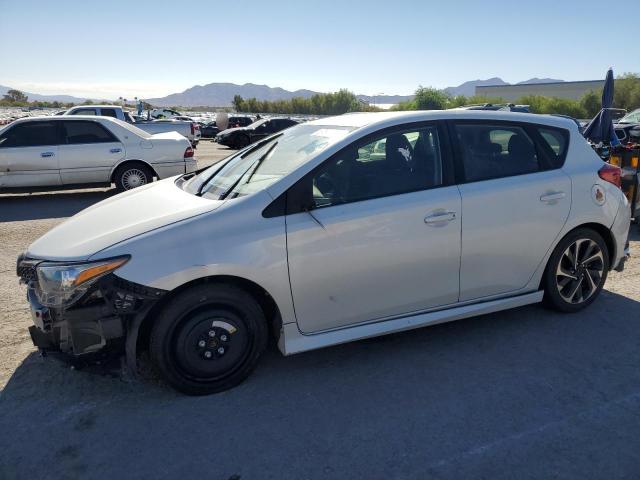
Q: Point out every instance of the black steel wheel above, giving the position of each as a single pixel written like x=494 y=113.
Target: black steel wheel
x=208 y=339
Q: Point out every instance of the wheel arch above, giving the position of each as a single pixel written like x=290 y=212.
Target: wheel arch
x=259 y=293
x=599 y=228
x=130 y=161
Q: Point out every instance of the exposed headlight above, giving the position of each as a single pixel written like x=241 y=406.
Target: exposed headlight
x=62 y=284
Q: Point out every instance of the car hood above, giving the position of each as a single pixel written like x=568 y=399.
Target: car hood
x=230 y=131
x=119 y=218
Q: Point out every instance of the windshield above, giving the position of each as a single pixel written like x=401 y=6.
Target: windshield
x=633 y=117
x=263 y=163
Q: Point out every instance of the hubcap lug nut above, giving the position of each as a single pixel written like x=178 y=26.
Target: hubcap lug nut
x=207 y=354
x=220 y=351
x=202 y=343
x=223 y=337
x=212 y=333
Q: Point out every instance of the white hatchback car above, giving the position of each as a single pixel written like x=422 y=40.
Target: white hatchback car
x=331 y=231
x=81 y=151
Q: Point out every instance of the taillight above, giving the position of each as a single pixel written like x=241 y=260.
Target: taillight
x=188 y=153
x=612 y=174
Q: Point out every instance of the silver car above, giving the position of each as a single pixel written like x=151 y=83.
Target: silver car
x=76 y=151
x=331 y=231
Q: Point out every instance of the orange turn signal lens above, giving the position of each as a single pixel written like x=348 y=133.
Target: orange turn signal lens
x=634 y=162
x=98 y=270
x=614 y=160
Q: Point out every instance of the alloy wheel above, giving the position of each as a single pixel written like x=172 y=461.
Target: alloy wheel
x=133 y=178
x=580 y=271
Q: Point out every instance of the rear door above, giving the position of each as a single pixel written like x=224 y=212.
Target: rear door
x=373 y=236
x=29 y=155
x=515 y=201
x=89 y=152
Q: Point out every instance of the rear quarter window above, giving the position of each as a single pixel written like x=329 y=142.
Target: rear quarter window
x=555 y=142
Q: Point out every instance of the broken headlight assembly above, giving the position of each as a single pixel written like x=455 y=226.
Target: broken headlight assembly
x=62 y=284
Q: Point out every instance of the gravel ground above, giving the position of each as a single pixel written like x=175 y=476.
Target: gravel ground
x=522 y=394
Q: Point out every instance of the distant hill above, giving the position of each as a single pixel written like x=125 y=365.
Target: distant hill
x=221 y=95
x=539 y=80
x=469 y=88
x=44 y=98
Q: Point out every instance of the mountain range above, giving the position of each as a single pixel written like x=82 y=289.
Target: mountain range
x=221 y=94
x=45 y=98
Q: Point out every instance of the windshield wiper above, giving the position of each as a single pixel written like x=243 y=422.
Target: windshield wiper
x=242 y=155
x=253 y=167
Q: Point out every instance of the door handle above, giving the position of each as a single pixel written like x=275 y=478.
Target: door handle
x=439 y=217
x=552 y=197
x=115 y=150
x=47 y=154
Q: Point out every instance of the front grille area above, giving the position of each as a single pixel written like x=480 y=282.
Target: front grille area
x=26 y=269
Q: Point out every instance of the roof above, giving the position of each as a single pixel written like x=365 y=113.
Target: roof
x=97 y=106
x=60 y=118
x=360 y=120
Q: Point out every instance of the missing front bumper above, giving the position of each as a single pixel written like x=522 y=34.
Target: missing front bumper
x=94 y=327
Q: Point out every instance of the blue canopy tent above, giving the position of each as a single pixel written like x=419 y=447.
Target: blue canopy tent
x=600 y=129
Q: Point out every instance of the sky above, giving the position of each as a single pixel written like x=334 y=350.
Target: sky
x=143 y=48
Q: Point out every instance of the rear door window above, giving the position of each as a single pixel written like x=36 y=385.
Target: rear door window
x=31 y=134
x=79 y=132
x=108 y=112
x=495 y=151
x=84 y=111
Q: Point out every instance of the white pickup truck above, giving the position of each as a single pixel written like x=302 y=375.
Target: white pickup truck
x=190 y=130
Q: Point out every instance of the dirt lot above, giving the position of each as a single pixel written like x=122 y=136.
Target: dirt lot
x=521 y=394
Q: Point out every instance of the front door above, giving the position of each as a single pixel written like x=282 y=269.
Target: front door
x=29 y=155
x=89 y=152
x=515 y=202
x=376 y=233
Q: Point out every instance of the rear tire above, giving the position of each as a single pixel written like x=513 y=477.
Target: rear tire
x=208 y=339
x=132 y=175
x=576 y=271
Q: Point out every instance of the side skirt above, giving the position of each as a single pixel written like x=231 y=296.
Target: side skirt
x=293 y=341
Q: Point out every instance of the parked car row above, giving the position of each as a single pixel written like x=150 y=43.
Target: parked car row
x=327 y=232
x=80 y=150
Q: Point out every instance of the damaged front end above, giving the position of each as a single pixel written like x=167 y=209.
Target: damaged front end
x=83 y=310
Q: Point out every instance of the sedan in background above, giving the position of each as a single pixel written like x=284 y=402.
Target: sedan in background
x=210 y=130
x=242 y=136
x=70 y=151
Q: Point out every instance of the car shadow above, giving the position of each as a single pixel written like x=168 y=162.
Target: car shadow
x=43 y=205
x=476 y=398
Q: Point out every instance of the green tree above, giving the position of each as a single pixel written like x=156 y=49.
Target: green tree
x=238 y=103
x=15 y=96
x=427 y=98
x=591 y=102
